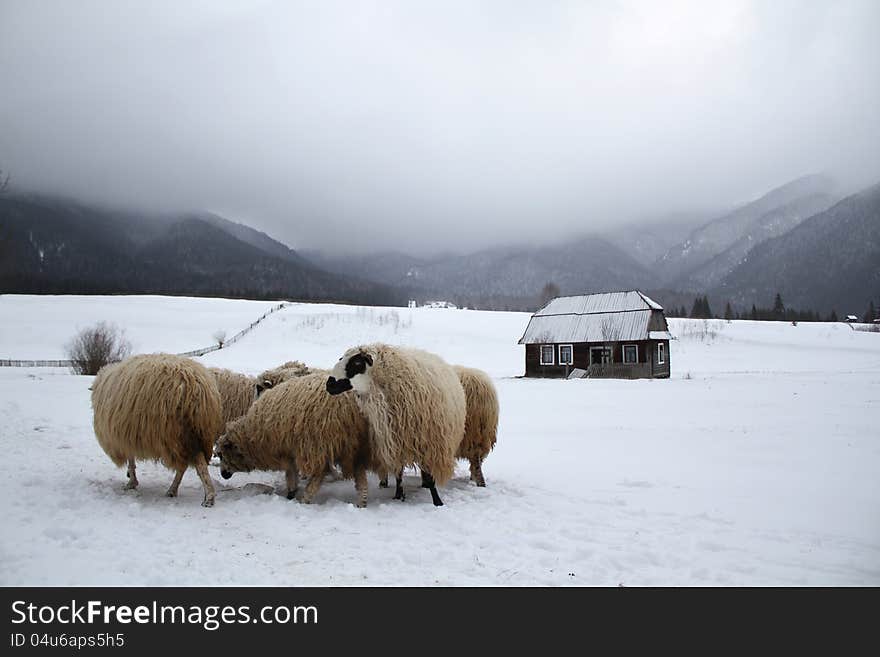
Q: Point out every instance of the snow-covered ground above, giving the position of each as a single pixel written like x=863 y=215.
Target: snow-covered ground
x=756 y=463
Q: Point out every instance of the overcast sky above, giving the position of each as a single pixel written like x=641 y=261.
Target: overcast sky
x=420 y=125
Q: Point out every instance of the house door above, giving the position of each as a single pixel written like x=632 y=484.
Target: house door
x=600 y=355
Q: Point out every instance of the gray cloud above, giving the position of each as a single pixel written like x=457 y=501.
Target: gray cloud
x=434 y=125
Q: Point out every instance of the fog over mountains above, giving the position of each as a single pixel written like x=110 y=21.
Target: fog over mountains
x=819 y=251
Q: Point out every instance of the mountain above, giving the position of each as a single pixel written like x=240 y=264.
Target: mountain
x=830 y=261
x=503 y=277
x=713 y=249
x=649 y=240
x=772 y=224
x=253 y=237
x=51 y=245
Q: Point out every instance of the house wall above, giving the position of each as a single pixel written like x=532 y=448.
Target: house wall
x=646 y=368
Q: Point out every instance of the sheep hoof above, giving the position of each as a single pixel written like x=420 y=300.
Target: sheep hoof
x=481 y=484
x=131 y=485
x=438 y=503
x=383 y=483
x=362 y=504
x=171 y=493
x=291 y=494
x=400 y=495
x=209 y=501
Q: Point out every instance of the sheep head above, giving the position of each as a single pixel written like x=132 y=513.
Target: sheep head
x=352 y=372
x=232 y=459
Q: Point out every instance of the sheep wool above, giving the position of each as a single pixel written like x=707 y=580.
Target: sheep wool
x=415 y=406
x=481 y=420
x=159 y=407
x=298 y=426
x=236 y=392
x=277 y=375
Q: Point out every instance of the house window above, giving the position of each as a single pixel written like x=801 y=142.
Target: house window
x=600 y=355
x=566 y=354
x=547 y=354
x=630 y=353
x=661 y=353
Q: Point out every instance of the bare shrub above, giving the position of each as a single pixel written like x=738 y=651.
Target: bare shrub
x=94 y=347
x=219 y=338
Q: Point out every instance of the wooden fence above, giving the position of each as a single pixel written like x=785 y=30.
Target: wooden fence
x=195 y=352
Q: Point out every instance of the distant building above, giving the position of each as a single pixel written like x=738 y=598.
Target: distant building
x=851 y=319
x=619 y=335
x=439 y=304
x=412 y=303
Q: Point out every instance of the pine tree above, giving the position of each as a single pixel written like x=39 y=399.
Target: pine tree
x=706 y=309
x=870 y=314
x=754 y=312
x=833 y=316
x=728 y=312
x=696 y=309
x=778 y=307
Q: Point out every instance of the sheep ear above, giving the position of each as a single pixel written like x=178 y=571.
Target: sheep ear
x=369 y=359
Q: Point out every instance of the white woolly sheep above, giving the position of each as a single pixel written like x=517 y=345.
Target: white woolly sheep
x=161 y=407
x=414 y=404
x=277 y=375
x=481 y=421
x=298 y=426
x=236 y=392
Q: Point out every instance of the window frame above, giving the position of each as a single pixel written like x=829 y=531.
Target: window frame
x=559 y=354
x=541 y=354
x=631 y=362
x=661 y=353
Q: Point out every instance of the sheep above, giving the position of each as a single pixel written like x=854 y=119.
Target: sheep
x=481 y=422
x=272 y=377
x=297 y=426
x=414 y=405
x=278 y=375
x=161 y=407
x=236 y=392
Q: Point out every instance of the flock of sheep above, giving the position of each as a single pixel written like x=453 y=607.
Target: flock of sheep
x=382 y=408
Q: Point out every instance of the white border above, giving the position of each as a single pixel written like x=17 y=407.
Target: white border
x=661 y=359
x=541 y=354
x=623 y=353
x=559 y=352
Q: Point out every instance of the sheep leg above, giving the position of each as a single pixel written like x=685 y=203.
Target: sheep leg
x=172 y=491
x=477 y=472
x=398 y=490
x=202 y=469
x=313 y=487
x=426 y=480
x=431 y=484
x=292 y=480
x=383 y=479
x=132 y=476
x=360 y=484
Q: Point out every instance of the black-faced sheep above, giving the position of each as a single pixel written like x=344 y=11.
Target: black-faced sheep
x=298 y=426
x=414 y=404
x=481 y=421
x=160 y=407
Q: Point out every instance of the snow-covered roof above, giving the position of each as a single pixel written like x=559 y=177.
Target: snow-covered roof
x=610 y=302
x=592 y=318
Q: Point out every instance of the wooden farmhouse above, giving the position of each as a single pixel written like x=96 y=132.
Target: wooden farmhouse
x=620 y=335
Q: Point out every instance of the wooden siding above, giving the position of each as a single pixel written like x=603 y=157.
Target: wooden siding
x=646 y=368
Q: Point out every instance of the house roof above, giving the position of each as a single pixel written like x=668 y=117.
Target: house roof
x=609 y=317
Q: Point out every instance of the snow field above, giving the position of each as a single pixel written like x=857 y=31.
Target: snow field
x=754 y=464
